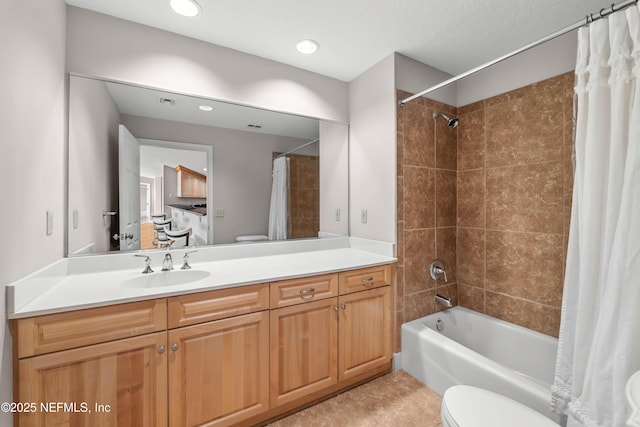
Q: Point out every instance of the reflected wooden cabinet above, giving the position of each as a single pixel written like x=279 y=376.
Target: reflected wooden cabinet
x=236 y=356
x=191 y=183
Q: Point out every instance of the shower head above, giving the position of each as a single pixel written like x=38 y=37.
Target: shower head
x=452 y=122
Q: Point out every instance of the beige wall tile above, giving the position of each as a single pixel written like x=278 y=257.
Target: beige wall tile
x=446 y=251
x=419 y=197
x=470 y=268
x=526 y=198
x=446 y=145
x=471 y=139
x=419 y=146
x=471 y=297
x=534 y=316
x=525 y=265
x=446 y=198
x=471 y=198
x=419 y=251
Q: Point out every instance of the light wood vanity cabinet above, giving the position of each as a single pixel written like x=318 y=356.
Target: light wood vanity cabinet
x=236 y=356
x=120 y=381
x=342 y=336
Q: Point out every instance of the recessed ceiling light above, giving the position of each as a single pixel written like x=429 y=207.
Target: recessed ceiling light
x=185 y=7
x=307 y=46
x=206 y=107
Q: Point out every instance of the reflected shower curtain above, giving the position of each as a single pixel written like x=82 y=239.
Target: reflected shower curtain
x=599 y=345
x=279 y=209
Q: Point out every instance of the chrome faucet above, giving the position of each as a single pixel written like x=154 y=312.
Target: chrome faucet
x=186 y=265
x=167 y=263
x=147 y=261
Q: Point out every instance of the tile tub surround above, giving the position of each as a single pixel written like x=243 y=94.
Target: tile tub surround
x=513 y=187
x=514 y=203
x=426 y=209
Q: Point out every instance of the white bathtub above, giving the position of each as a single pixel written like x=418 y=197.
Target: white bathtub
x=479 y=350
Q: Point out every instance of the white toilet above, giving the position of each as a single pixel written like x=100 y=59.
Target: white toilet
x=251 y=238
x=465 y=406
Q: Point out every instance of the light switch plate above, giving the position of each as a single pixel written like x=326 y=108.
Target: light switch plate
x=75 y=219
x=49 y=223
x=219 y=213
x=338 y=214
x=363 y=216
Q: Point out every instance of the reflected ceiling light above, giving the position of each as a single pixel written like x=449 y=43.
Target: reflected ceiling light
x=307 y=46
x=206 y=108
x=185 y=7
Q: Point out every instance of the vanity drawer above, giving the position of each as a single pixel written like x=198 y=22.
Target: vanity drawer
x=305 y=289
x=203 y=307
x=61 y=331
x=366 y=278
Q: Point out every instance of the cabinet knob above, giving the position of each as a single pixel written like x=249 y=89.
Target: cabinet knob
x=336 y=308
x=161 y=349
x=343 y=306
x=174 y=347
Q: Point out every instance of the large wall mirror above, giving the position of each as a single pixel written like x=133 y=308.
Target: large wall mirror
x=151 y=169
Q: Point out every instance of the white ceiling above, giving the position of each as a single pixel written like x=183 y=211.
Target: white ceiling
x=145 y=102
x=451 y=35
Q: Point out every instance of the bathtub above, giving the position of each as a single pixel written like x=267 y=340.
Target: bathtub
x=479 y=350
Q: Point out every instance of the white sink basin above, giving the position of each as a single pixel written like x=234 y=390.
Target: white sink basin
x=165 y=278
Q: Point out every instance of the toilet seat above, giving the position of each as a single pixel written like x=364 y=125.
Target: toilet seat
x=464 y=406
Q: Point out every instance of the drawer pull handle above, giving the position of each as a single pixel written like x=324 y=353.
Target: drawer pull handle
x=307 y=291
x=367 y=280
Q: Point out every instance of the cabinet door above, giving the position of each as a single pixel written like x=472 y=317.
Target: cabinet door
x=364 y=331
x=303 y=350
x=219 y=371
x=121 y=383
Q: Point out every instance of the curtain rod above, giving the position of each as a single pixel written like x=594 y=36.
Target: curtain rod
x=298 y=148
x=589 y=19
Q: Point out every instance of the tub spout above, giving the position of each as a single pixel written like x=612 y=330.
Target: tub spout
x=446 y=301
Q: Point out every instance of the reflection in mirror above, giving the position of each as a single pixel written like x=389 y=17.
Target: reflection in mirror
x=146 y=164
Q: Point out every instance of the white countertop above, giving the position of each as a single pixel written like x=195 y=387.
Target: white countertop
x=72 y=291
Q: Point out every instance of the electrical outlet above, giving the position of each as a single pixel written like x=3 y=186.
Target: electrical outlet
x=338 y=214
x=363 y=216
x=219 y=213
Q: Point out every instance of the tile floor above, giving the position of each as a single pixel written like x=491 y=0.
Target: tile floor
x=395 y=399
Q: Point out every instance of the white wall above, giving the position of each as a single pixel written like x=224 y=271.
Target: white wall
x=93 y=167
x=241 y=169
x=32 y=116
x=548 y=60
x=334 y=177
x=413 y=76
x=372 y=152
x=103 y=46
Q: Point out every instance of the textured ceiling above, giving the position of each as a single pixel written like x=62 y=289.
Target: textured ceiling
x=451 y=35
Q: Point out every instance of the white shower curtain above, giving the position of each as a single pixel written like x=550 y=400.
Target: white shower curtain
x=279 y=209
x=599 y=346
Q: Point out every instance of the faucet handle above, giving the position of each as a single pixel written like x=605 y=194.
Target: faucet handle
x=436 y=269
x=147 y=261
x=185 y=265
